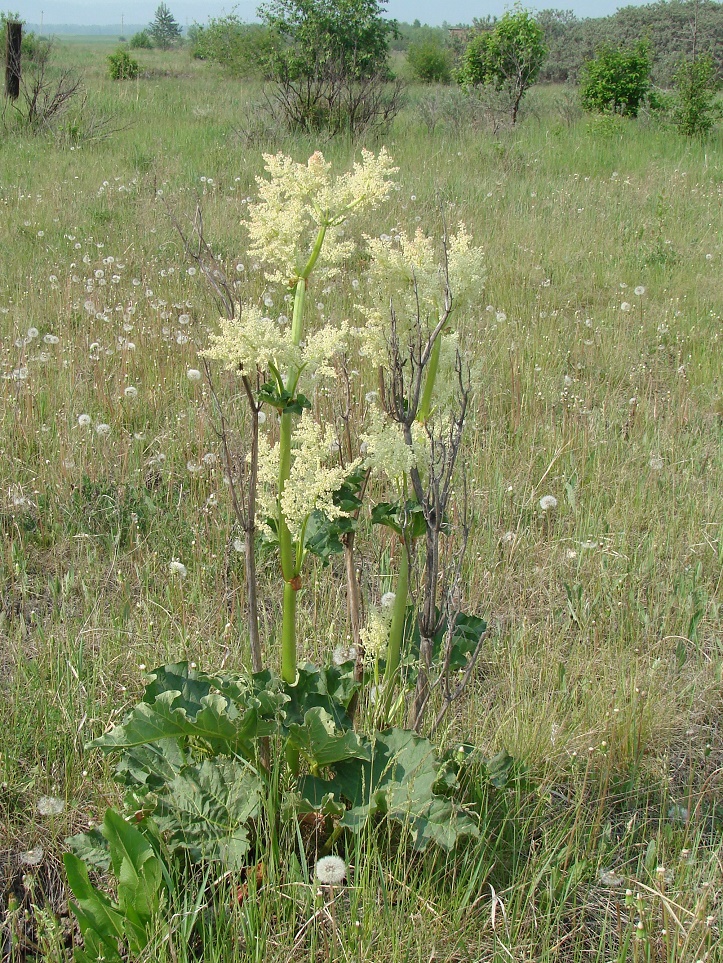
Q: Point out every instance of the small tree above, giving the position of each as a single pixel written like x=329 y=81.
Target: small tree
x=430 y=61
x=696 y=85
x=616 y=81
x=507 y=57
x=242 y=49
x=329 y=62
x=121 y=66
x=164 y=31
x=141 y=41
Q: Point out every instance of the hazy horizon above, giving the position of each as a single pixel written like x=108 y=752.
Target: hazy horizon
x=92 y=14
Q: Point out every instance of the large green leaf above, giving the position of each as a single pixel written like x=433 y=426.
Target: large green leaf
x=401 y=517
x=218 y=723
x=399 y=782
x=321 y=743
x=91 y=848
x=139 y=874
x=330 y=688
x=149 y=767
x=96 y=914
x=208 y=810
x=322 y=537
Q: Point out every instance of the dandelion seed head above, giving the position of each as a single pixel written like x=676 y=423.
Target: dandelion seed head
x=50 y=806
x=548 y=503
x=177 y=568
x=32 y=857
x=193 y=374
x=330 y=870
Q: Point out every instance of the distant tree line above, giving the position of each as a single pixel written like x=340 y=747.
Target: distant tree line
x=675 y=30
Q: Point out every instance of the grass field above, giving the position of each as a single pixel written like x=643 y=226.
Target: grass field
x=603 y=671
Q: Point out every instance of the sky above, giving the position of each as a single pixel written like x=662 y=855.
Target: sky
x=433 y=12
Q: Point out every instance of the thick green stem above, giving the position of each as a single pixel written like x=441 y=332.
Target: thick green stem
x=297 y=321
x=425 y=406
x=286 y=545
x=316 y=251
x=396 y=632
x=288 y=635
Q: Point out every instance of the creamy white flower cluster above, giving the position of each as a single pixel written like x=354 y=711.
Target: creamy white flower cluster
x=316 y=474
x=298 y=200
x=385 y=449
x=251 y=342
x=410 y=271
x=375 y=634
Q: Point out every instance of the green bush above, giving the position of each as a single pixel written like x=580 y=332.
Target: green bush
x=696 y=85
x=121 y=66
x=242 y=49
x=141 y=41
x=507 y=58
x=430 y=61
x=616 y=81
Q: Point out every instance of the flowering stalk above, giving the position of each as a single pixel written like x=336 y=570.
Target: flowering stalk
x=292 y=556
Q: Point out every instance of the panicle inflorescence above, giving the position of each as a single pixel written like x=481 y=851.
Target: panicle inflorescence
x=298 y=200
x=413 y=273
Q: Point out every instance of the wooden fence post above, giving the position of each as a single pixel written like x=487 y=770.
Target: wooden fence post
x=13 y=42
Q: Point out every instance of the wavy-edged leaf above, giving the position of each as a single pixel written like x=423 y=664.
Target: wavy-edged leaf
x=207 y=810
x=321 y=743
x=330 y=688
x=91 y=848
x=217 y=722
x=399 y=782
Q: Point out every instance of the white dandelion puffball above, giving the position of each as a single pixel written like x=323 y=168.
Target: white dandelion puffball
x=32 y=857
x=193 y=374
x=656 y=462
x=640 y=290
x=84 y=420
x=330 y=870
x=625 y=306
x=50 y=806
x=387 y=600
x=130 y=391
x=548 y=503
x=103 y=429
x=177 y=568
